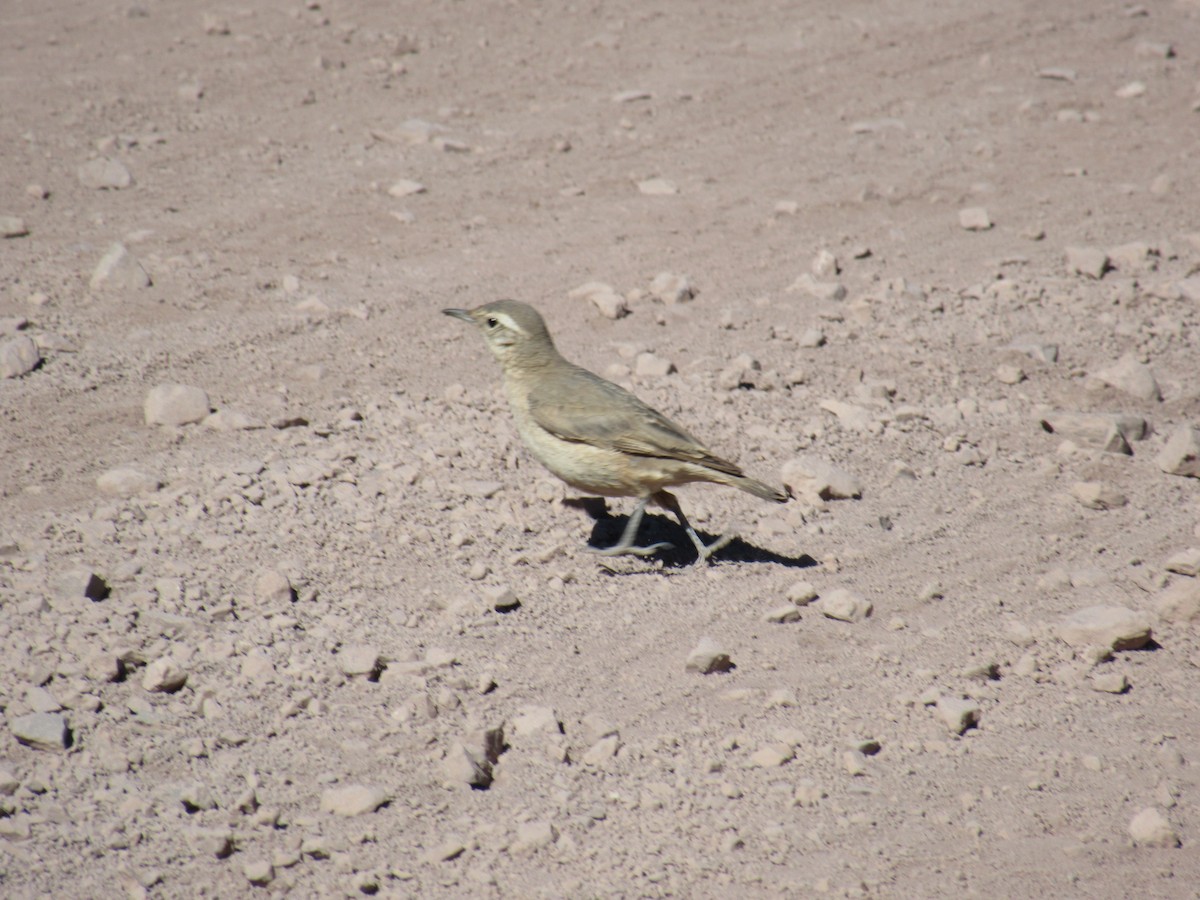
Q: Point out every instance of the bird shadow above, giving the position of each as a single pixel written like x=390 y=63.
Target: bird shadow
x=658 y=528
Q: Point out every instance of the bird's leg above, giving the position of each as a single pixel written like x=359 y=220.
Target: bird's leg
x=670 y=502
x=626 y=546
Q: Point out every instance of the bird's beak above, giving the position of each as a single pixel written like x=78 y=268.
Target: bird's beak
x=463 y=314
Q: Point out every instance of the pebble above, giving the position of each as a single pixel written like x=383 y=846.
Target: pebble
x=1090 y=262
x=810 y=339
x=1112 y=627
x=1009 y=374
x=825 y=265
x=258 y=871
x=649 y=365
x=41 y=730
x=1180 y=602
x=196 y=797
x=1110 y=433
x=1150 y=828
x=671 y=288
x=12 y=227
x=844 y=606
x=604 y=297
x=501 y=598
x=126 y=482
x=1057 y=73
x=104 y=173
x=781 y=615
x=1153 y=50
x=1185 y=562
x=353 y=800
x=1133 y=377
x=854 y=762
x=1181 y=454
x=631 y=95
x=657 y=187
x=273 y=588
x=974 y=218
x=801 y=593
x=119 y=269
x=1098 y=495
x=772 y=756
x=957 y=714
x=19 y=356
x=602 y=751
x=1110 y=682
x=164 y=676
x=1131 y=90
x=405 y=188
x=533 y=720
x=175 y=404
x=359 y=660
x=462 y=766
x=708 y=657
x=822 y=290
x=77 y=583
x=533 y=836
x=817 y=478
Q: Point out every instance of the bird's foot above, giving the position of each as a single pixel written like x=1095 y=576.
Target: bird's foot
x=631 y=549
x=704 y=552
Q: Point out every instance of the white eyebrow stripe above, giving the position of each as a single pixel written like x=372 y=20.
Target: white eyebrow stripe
x=508 y=322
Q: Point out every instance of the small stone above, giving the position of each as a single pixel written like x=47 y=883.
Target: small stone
x=196 y=797
x=1087 y=261
x=12 y=227
x=533 y=836
x=273 y=588
x=360 y=660
x=501 y=598
x=77 y=583
x=604 y=297
x=825 y=265
x=532 y=720
x=103 y=174
x=1181 y=455
x=671 y=288
x=854 y=762
x=1098 y=495
x=1150 y=828
x=41 y=731
x=1111 y=433
x=708 y=657
x=810 y=339
x=631 y=96
x=175 y=404
x=1110 y=682
x=974 y=218
x=259 y=871
x=816 y=478
x=462 y=766
x=164 y=676
x=231 y=420
x=801 y=593
x=657 y=187
x=353 y=800
x=1185 y=562
x=781 y=615
x=1153 y=50
x=807 y=793
x=405 y=188
x=602 y=751
x=822 y=290
x=1131 y=376
x=844 y=606
x=1179 y=603
x=1131 y=90
x=119 y=269
x=1113 y=627
x=649 y=365
x=19 y=356
x=958 y=714
x=1009 y=374
x=1057 y=73
x=125 y=482
x=771 y=756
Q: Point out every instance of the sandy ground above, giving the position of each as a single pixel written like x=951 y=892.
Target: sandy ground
x=344 y=636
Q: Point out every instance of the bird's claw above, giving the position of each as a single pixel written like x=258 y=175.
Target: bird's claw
x=632 y=550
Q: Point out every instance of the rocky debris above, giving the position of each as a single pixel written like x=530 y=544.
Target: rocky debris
x=1131 y=376
x=957 y=714
x=353 y=800
x=41 y=730
x=671 y=288
x=1185 y=562
x=405 y=187
x=258 y=872
x=825 y=265
x=19 y=356
x=1181 y=455
x=501 y=598
x=1110 y=682
x=809 y=286
x=175 y=405
x=974 y=218
x=708 y=657
x=104 y=173
x=1040 y=350
x=360 y=661
x=471 y=761
x=773 y=755
x=1150 y=828
x=164 y=675
x=533 y=720
x=81 y=583
x=1180 y=602
x=657 y=187
x=1098 y=495
x=1009 y=374
x=13 y=227
x=1111 y=627
x=843 y=605
x=196 y=797
x=126 y=482
x=533 y=836
x=1090 y=262
x=273 y=588
x=1111 y=433
x=801 y=593
x=607 y=301
x=1131 y=90
x=650 y=365
x=1057 y=73
x=602 y=751
x=119 y=269
x=811 y=477
x=781 y=615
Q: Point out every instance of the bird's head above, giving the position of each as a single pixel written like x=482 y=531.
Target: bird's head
x=515 y=332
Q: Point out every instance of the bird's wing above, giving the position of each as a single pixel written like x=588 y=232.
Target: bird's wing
x=586 y=409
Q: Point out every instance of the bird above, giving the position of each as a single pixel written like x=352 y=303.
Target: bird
x=596 y=436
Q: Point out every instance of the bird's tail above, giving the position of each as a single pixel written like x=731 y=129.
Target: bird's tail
x=757 y=488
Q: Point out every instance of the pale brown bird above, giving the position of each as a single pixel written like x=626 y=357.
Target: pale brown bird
x=595 y=435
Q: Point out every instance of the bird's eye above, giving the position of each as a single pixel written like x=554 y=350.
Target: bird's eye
x=492 y=322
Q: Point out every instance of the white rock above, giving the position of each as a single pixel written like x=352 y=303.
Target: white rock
x=126 y=482
x=196 y=797
x=610 y=304
x=353 y=800
x=359 y=660
x=822 y=290
x=531 y=720
x=708 y=657
x=231 y=420
x=41 y=730
x=104 y=173
x=405 y=188
x=119 y=269
x=825 y=265
x=801 y=593
x=657 y=187
x=533 y=836
x=273 y=588
x=814 y=477
x=13 y=227
x=957 y=714
x=974 y=218
x=1103 y=432
x=1088 y=261
x=671 y=288
x=1113 y=627
x=602 y=751
x=175 y=404
x=1181 y=455
x=1098 y=495
x=1185 y=562
x=1179 y=603
x=772 y=756
x=650 y=365
x=781 y=615
x=465 y=767
x=258 y=871
x=19 y=356
x=810 y=339
x=849 y=415
x=1131 y=90
x=1131 y=376
x=1150 y=828
x=1110 y=682
x=844 y=606
x=164 y=676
